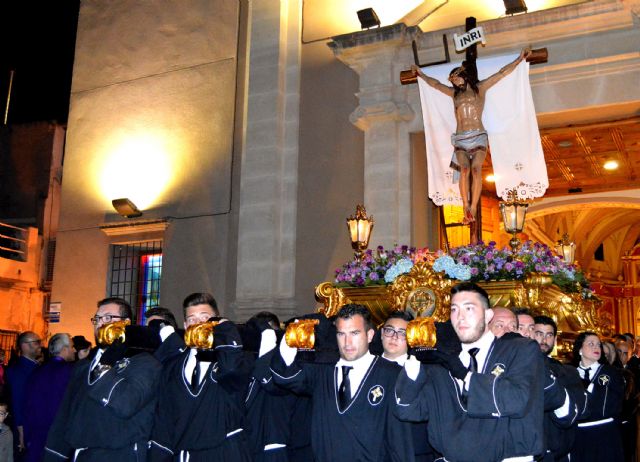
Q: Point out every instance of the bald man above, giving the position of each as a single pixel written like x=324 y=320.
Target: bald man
x=504 y=320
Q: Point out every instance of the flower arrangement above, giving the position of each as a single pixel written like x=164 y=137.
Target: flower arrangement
x=475 y=262
x=480 y=262
x=380 y=266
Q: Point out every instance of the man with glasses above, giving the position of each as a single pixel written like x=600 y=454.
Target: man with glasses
x=394 y=337
x=560 y=415
x=115 y=392
x=29 y=346
x=394 y=343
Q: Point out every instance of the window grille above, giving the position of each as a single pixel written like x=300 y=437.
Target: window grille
x=136 y=271
x=8 y=340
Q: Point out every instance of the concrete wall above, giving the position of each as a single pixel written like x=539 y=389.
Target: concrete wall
x=152 y=119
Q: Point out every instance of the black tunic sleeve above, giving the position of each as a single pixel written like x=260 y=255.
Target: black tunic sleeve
x=232 y=371
x=263 y=375
x=172 y=346
x=298 y=378
x=411 y=403
x=567 y=377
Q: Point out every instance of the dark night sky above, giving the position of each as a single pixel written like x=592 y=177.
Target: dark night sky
x=38 y=40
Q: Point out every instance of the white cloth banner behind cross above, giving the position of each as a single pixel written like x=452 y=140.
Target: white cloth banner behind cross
x=510 y=120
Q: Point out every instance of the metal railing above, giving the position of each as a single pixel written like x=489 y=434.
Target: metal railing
x=13 y=242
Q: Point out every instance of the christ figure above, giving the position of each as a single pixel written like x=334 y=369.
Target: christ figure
x=470 y=141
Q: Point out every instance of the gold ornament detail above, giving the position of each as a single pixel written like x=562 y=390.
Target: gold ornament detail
x=201 y=335
x=421 y=333
x=109 y=333
x=301 y=334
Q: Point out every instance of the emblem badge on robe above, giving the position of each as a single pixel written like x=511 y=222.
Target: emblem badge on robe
x=604 y=380
x=497 y=370
x=122 y=365
x=376 y=394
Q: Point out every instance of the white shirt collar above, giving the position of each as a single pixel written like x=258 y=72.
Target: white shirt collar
x=483 y=342
x=593 y=367
x=400 y=360
x=359 y=364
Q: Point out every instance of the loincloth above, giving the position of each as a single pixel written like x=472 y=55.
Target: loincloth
x=468 y=141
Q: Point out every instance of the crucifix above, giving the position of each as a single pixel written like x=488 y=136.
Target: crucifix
x=470 y=140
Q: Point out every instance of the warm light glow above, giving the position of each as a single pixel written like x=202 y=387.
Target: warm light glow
x=453 y=14
x=333 y=17
x=610 y=165
x=388 y=11
x=136 y=167
x=490 y=178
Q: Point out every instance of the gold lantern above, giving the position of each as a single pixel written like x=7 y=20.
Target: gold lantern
x=360 y=227
x=514 y=212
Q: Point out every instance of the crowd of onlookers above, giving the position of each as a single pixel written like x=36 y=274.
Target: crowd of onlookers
x=487 y=392
x=31 y=388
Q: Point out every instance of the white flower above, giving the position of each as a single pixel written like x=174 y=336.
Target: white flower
x=400 y=267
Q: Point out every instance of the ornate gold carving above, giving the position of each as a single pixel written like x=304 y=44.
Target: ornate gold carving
x=422 y=291
x=426 y=293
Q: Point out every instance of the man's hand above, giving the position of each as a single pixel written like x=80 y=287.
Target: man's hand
x=288 y=353
x=268 y=342
x=412 y=367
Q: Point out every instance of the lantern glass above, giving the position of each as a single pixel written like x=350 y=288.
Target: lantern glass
x=566 y=249
x=513 y=216
x=360 y=227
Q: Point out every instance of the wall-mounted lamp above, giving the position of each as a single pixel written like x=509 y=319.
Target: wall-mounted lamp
x=513 y=212
x=126 y=208
x=515 y=6
x=360 y=226
x=368 y=18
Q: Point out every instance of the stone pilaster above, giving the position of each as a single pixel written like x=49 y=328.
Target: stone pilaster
x=269 y=170
x=385 y=115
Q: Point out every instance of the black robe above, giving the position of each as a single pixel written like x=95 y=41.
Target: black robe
x=269 y=412
x=420 y=432
x=559 y=432
x=504 y=410
x=110 y=417
x=207 y=424
x=367 y=429
x=602 y=441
